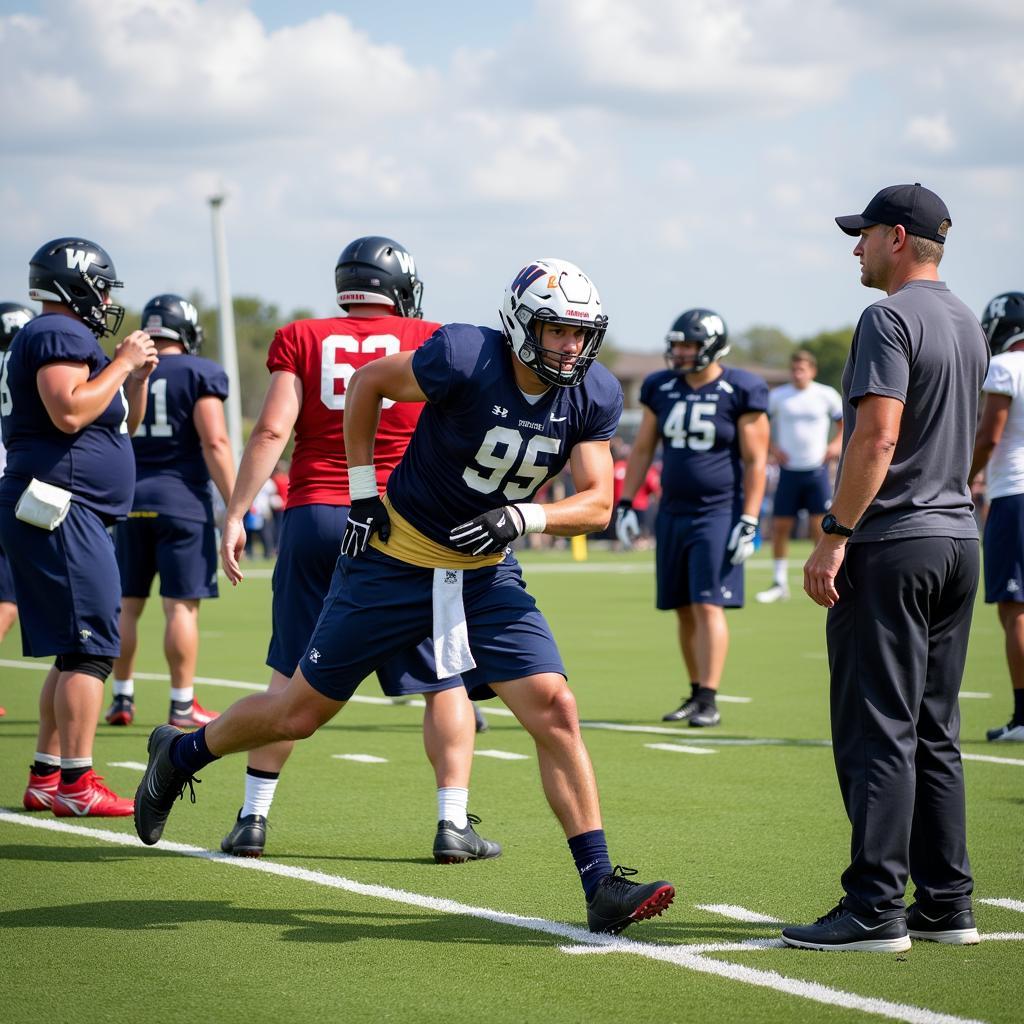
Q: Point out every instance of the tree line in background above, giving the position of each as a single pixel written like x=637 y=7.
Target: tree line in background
x=256 y=321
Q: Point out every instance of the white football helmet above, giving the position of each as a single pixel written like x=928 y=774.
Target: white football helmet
x=552 y=291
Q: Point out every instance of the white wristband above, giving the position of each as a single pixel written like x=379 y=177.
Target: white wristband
x=362 y=482
x=534 y=518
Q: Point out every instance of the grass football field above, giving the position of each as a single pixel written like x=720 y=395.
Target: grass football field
x=347 y=918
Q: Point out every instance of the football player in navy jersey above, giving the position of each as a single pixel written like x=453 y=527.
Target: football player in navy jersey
x=13 y=316
x=505 y=411
x=68 y=412
x=181 y=444
x=310 y=362
x=712 y=424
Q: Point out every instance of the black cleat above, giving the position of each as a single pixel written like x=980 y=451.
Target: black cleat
x=705 y=716
x=617 y=902
x=955 y=927
x=841 y=929
x=454 y=845
x=121 y=711
x=684 y=712
x=161 y=785
x=247 y=838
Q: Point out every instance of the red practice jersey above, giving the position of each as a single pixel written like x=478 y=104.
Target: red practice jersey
x=324 y=354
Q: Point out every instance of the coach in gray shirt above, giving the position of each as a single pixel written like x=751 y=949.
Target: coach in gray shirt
x=897 y=569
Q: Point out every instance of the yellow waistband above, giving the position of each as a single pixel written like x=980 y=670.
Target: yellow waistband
x=407 y=544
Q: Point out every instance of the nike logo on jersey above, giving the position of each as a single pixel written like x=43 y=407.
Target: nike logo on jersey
x=667 y=386
x=726 y=387
x=559 y=419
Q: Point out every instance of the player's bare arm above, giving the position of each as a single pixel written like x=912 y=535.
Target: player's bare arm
x=865 y=464
x=212 y=428
x=266 y=443
x=994 y=415
x=753 y=431
x=73 y=401
x=391 y=377
x=590 y=508
x=835 y=446
x=641 y=455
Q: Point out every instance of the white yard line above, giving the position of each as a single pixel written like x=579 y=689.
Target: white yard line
x=974 y=695
x=361 y=758
x=738 y=913
x=135 y=765
x=678 y=748
x=1017 y=905
x=681 y=956
x=993 y=760
x=502 y=755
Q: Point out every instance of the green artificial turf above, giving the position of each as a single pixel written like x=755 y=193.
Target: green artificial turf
x=92 y=930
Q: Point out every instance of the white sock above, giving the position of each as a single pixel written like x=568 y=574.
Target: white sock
x=124 y=687
x=75 y=762
x=183 y=695
x=53 y=760
x=259 y=795
x=451 y=805
x=781 y=570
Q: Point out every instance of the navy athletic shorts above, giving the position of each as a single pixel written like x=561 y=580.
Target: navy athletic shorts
x=692 y=565
x=802 y=489
x=378 y=606
x=308 y=550
x=69 y=591
x=182 y=551
x=1004 y=550
x=6 y=580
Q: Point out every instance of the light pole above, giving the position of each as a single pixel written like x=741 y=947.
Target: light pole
x=226 y=318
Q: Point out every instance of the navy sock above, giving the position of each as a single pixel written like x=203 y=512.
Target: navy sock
x=190 y=753
x=694 y=687
x=1018 y=706
x=69 y=776
x=706 y=696
x=590 y=851
x=38 y=768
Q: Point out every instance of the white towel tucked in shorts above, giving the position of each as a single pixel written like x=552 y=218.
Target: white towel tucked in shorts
x=451 y=636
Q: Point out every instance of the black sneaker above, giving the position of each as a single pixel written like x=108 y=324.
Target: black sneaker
x=1012 y=732
x=121 y=711
x=161 y=785
x=617 y=902
x=705 y=716
x=955 y=927
x=842 y=929
x=684 y=712
x=454 y=845
x=247 y=838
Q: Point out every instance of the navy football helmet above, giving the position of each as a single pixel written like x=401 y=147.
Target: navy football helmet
x=703 y=327
x=13 y=316
x=553 y=291
x=174 y=318
x=80 y=275
x=377 y=270
x=1003 y=322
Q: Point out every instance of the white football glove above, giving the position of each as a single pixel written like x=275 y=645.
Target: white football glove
x=741 y=540
x=627 y=523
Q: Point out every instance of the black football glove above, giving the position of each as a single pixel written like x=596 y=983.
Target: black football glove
x=366 y=517
x=489 y=533
x=741 y=540
x=627 y=524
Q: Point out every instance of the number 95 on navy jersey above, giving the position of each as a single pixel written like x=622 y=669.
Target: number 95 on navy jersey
x=480 y=443
x=702 y=468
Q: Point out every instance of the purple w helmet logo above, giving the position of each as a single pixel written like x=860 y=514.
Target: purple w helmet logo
x=525 y=278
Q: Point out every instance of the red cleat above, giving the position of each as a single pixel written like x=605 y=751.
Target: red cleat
x=192 y=718
x=88 y=798
x=40 y=791
x=121 y=711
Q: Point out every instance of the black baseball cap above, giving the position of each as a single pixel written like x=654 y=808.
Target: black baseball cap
x=918 y=209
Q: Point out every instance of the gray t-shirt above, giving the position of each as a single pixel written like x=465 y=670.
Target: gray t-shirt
x=923 y=346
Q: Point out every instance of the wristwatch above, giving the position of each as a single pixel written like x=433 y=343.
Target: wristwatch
x=832 y=525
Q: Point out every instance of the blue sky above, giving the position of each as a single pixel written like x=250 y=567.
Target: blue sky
x=683 y=153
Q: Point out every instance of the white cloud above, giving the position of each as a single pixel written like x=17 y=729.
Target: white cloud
x=932 y=132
